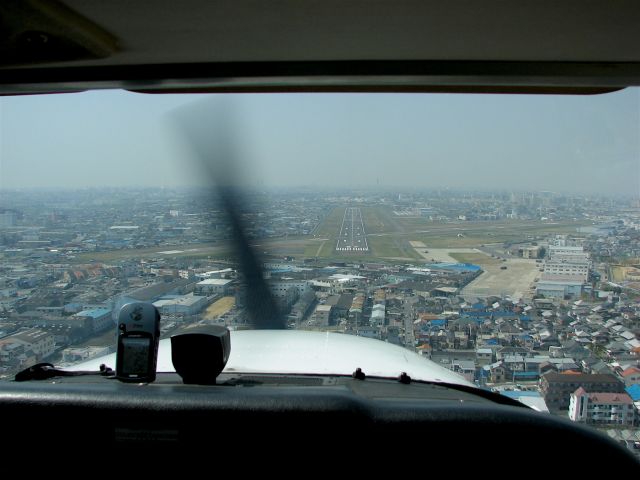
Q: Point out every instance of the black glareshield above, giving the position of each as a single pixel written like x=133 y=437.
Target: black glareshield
x=138 y=338
x=200 y=353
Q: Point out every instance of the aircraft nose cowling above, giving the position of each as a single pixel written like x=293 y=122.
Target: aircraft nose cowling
x=303 y=352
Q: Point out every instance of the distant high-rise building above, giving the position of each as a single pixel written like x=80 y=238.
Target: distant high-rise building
x=7 y=219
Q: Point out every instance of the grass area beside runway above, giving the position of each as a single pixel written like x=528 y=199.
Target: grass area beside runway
x=315 y=246
x=391 y=246
x=388 y=237
x=474 y=234
x=379 y=220
x=331 y=223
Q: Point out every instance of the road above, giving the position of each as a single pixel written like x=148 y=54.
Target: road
x=409 y=313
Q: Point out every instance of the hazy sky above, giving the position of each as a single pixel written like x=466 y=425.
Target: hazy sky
x=558 y=143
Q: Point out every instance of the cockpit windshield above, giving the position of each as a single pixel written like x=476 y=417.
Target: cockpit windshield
x=493 y=235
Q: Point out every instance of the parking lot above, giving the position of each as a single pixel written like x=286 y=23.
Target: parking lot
x=515 y=281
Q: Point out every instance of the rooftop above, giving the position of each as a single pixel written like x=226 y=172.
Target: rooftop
x=185 y=300
x=94 y=312
x=634 y=392
x=30 y=336
x=553 y=279
x=630 y=371
x=340 y=301
x=340 y=277
x=152 y=292
x=602 y=397
x=531 y=399
x=215 y=281
x=579 y=378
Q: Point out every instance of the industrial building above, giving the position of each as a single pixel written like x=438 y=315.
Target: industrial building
x=213 y=286
x=565 y=272
x=559 y=286
x=96 y=320
x=183 y=305
x=286 y=292
x=579 y=270
x=152 y=293
x=38 y=342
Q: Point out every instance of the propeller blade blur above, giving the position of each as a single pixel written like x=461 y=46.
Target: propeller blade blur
x=212 y=130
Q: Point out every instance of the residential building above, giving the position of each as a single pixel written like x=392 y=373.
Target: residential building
x=631 y=376
x=377 y=315
x=558 y=387
x=601 y=408
x=465 y=368
x=80 y=354
x=496 y=372
x=484 y=356
x=12 y=354
x=321 y=315
x=355 y=311
x=300 y=309
x=340 y=304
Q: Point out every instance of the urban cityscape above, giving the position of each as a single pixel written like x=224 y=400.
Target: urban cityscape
x=534 y=294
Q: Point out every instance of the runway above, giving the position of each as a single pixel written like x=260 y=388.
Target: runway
x=352 y=237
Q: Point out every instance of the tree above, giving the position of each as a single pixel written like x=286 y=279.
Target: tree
x=542 y=252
